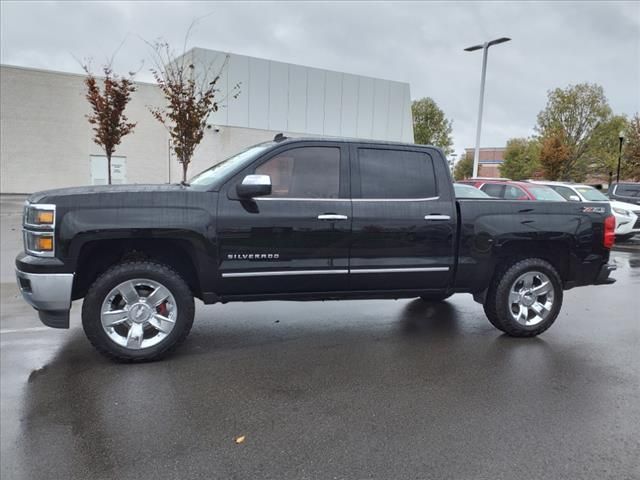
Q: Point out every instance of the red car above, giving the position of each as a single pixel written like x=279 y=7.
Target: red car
x=511 y=190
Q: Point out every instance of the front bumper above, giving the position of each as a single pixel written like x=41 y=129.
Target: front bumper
x=49 y=293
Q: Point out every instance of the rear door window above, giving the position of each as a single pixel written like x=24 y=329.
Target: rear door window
x=389 y=174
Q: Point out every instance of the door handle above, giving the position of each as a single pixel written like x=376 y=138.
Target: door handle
x=437 y=217
x=332 y=217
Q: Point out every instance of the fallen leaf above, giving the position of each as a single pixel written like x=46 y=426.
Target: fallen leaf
x=240 y=439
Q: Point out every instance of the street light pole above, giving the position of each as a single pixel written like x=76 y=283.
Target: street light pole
x=621 y=138
x=485 y=52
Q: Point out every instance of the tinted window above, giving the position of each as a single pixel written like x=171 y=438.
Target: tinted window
x=628 y=190
x=396 y=174
x=305 y=172
x=565 y=192
x=514 y=193
x=493 y=189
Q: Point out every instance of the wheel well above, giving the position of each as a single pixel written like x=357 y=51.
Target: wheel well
x=96 y=257
x=556 y=253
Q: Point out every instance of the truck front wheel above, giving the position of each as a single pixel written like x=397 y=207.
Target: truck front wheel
x=524 y=298
x=138 y=311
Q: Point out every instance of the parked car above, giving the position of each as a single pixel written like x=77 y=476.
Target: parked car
x=627 y=192
x=467 y=191
x=300 y=219
x=511 y=190
x=627 y=214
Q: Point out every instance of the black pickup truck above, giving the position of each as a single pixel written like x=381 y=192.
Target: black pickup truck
x=300 y=219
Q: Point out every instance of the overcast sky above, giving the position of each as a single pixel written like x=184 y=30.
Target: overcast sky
x=554 y=44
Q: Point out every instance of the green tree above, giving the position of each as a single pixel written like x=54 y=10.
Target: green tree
x=430 y=126
x=521 y=158
x=630 y=167
x=602 y=156
x=464 y=167
x=575 y=115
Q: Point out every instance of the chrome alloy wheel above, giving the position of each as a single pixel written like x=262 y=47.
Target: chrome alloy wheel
x=138 y=313
x=531 y=298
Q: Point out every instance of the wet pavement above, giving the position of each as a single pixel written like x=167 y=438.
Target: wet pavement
x=351 y=389
x=345 y=390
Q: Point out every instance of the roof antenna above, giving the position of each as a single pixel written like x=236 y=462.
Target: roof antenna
x=279 y=137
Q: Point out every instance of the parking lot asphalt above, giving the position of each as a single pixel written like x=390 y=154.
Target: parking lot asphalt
x=347 y=390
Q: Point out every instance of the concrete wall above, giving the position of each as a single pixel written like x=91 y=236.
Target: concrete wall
x=283 y=97
x=46 y=141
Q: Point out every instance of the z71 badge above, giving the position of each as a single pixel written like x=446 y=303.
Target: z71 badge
x=253 y=256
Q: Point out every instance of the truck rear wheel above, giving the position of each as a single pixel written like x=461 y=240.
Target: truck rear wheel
x=138 y=311
x=524 y=299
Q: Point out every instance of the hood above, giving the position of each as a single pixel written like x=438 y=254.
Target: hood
x=626 y=206
x=50 y=196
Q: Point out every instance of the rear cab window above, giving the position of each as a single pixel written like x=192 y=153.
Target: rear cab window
x=628 y=190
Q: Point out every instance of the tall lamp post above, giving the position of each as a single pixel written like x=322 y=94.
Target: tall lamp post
x=621 y=138
x=485 y=47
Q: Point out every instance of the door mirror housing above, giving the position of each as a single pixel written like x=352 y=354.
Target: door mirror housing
x=574 y=198
x=254 y=186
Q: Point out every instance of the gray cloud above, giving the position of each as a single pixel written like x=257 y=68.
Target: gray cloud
x=554 y=44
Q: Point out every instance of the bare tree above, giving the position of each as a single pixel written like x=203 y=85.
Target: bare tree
x=108 y=104
x=191 y=95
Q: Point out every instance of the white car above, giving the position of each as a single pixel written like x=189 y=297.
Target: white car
x=627 y=214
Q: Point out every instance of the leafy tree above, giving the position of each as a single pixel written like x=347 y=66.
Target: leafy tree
x=630 y=167
x=464 y=167
x=521 y=158
x=602 y=157
x=573 y=115
x=554 y=155
x=108 y=104
x=430 y=126
x=190 y=98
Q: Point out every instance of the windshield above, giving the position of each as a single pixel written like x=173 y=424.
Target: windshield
x=591 y=194
x=467 y=191
x=219 y=170
x=545 y=194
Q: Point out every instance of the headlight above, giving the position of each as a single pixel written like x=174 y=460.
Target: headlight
x=620 y=211
x=40 y=215
x=38 y=233
x=40 y=244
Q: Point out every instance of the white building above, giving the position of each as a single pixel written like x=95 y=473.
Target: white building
x=46 y=141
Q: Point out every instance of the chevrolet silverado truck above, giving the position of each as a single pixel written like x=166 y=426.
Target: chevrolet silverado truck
x=300 y=219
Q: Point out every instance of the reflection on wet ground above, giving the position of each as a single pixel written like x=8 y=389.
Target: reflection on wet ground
x=352 y=389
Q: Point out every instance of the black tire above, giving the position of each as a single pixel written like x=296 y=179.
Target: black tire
x=435 y=297
x=91 y=310
x=498 y=308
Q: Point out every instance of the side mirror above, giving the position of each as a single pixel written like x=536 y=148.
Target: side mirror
x=254 y=186
x=574 y=198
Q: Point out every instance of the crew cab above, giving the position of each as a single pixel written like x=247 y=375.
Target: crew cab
x=300 y=219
